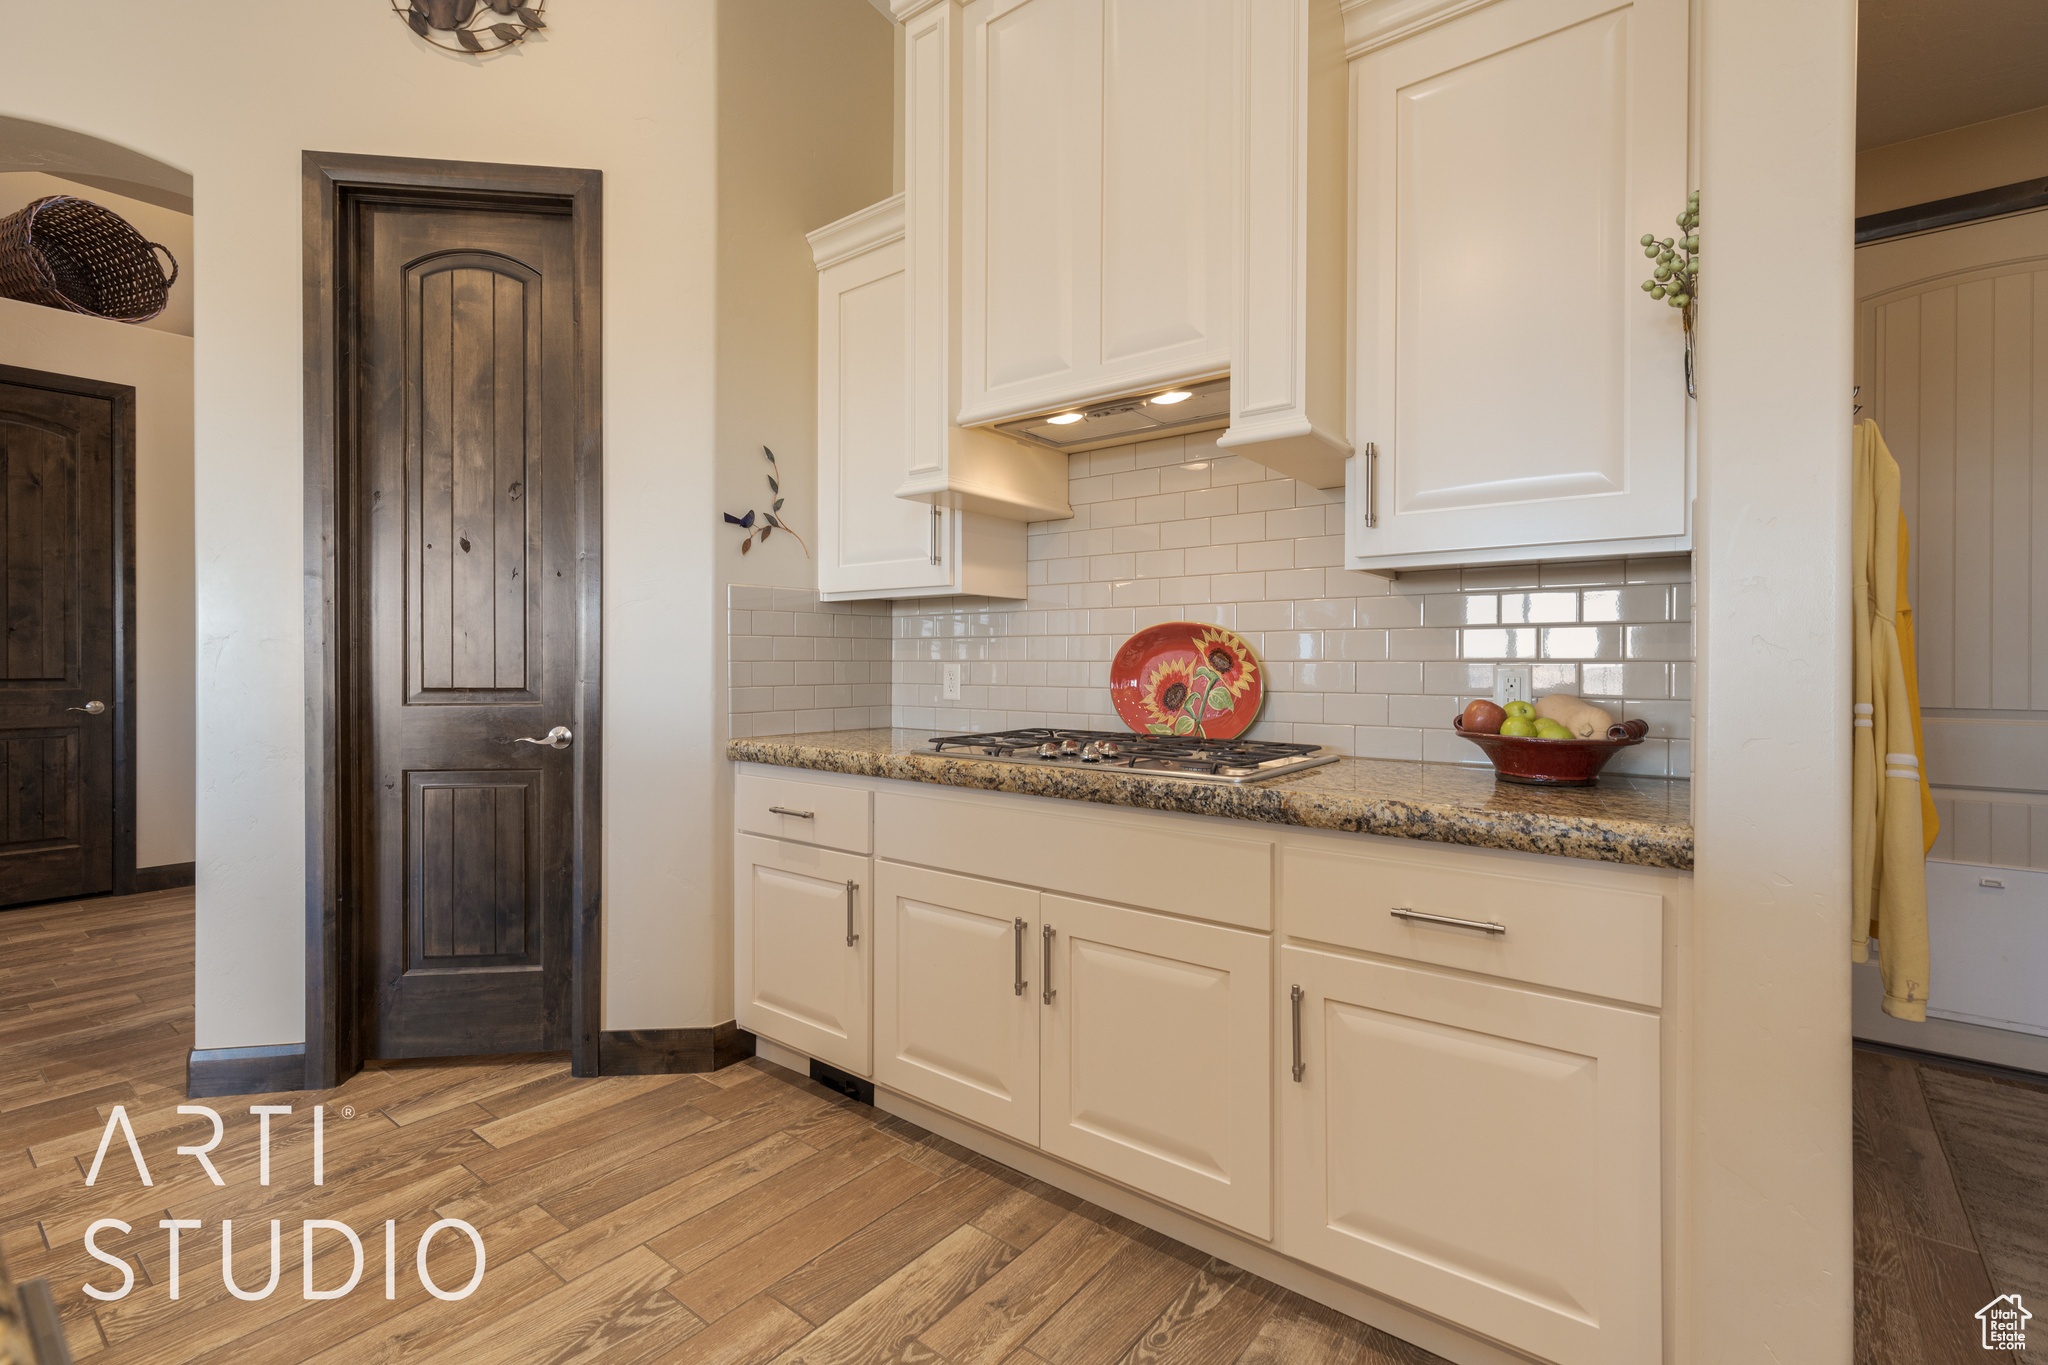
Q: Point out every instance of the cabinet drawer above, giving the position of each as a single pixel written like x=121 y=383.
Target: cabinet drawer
x=1181 y=865
x=1599 y=940
x=810 y=812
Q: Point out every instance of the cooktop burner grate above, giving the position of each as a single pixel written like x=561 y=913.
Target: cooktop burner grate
x=1184 y=756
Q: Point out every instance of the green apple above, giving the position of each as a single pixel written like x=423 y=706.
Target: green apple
x=1520 y=726
x=1520 y=710
x=1550 y=729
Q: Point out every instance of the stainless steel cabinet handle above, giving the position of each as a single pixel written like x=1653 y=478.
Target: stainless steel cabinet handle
x=851 y=937
x=557 y=738
x=1020 y=982
x=799 y=814
x=1295 y=995
x=935 y=533
x=1484 y=926
x=1046 y=992
x=1371 y=512
x=91 y=708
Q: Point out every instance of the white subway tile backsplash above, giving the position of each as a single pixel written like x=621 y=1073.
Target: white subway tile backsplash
x=1175 y=529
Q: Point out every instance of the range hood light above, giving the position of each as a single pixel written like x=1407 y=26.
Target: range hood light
x=1203 y=405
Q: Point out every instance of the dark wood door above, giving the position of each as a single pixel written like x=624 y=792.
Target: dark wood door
x=468 y=485
x=57 y=816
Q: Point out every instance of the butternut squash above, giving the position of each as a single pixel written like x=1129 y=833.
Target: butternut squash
x=1583 y=719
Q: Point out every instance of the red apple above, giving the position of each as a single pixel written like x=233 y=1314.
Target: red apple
x=1482 y=717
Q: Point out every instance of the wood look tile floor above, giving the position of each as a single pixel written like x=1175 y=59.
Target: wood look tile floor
x=1951 y=1205
x=749 y=1216
x=745 y=1217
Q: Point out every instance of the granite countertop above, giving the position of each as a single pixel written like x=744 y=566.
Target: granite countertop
x=1646 y=821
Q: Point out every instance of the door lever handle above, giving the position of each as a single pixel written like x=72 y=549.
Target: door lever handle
x=91 y=708
x=557 y=738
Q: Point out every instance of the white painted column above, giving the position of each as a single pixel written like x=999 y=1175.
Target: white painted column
x=1767 y=1274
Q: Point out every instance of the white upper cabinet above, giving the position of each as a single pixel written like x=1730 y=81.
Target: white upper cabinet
x=1096 y=199
x=871 y=542
x=1525 y=399
x=1287 y=378
x=950 y=465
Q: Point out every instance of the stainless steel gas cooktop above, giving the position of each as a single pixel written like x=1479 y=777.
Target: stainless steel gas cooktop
x=1181 y=756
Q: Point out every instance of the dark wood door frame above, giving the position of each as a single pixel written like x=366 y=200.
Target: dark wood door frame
x=122 y=703
x=332 y=182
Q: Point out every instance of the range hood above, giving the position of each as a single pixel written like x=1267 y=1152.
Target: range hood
x=1120 y=421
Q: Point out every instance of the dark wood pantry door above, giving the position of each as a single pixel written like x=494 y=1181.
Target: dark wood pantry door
x=57 y=662
x=467 y=319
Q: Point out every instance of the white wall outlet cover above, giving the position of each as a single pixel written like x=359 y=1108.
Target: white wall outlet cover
x=949 y=681
x=1511 y=683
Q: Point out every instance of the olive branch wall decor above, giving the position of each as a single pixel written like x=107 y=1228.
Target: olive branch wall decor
x=469 y=22
x=759 y=529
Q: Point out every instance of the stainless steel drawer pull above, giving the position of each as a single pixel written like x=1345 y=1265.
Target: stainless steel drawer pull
x=851 y=937
x=1020 y=982
x=1422 y=917
x=1294 y=994
x=1046 y=992
x=799 y=814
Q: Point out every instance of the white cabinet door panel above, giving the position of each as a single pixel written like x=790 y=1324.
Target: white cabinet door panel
x=869 y=540
x=953 y=1029
x=800 y=982
x=1485 y=1153
x=1166 y=207
x=1096 y=211
x=1519 y=387
x=1155 y=1060
x=1032 y=183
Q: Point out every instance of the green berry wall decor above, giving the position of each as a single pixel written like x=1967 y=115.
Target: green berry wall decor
x=1675 y=272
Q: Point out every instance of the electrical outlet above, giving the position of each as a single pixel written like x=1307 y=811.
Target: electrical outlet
x=1511 y=683
x=949 y=681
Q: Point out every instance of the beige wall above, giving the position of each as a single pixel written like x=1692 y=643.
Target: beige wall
x=167 y=227
x=628 y=88
x=159 y=367
x=1982 y=156
x=802 y=137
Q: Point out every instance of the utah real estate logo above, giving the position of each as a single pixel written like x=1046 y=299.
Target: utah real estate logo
x=2005 y=1323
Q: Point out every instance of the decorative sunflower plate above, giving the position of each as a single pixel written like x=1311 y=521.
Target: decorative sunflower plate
x=1186 y=678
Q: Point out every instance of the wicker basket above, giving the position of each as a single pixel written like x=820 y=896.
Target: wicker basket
x=66 y=252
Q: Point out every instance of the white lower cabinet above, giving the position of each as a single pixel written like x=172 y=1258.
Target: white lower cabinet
x=1155 y=1068
x=1132 y=1044
x=1486 y=1153
x=800 y=948
x=953 y=1025
x=1461 y=1112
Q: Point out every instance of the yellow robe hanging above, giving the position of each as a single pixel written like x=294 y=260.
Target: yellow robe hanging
x=1889 y=876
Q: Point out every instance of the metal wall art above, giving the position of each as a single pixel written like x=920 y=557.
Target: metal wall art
x=475 y=26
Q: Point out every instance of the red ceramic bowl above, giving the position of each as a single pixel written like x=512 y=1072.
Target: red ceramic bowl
x=1554 y=762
